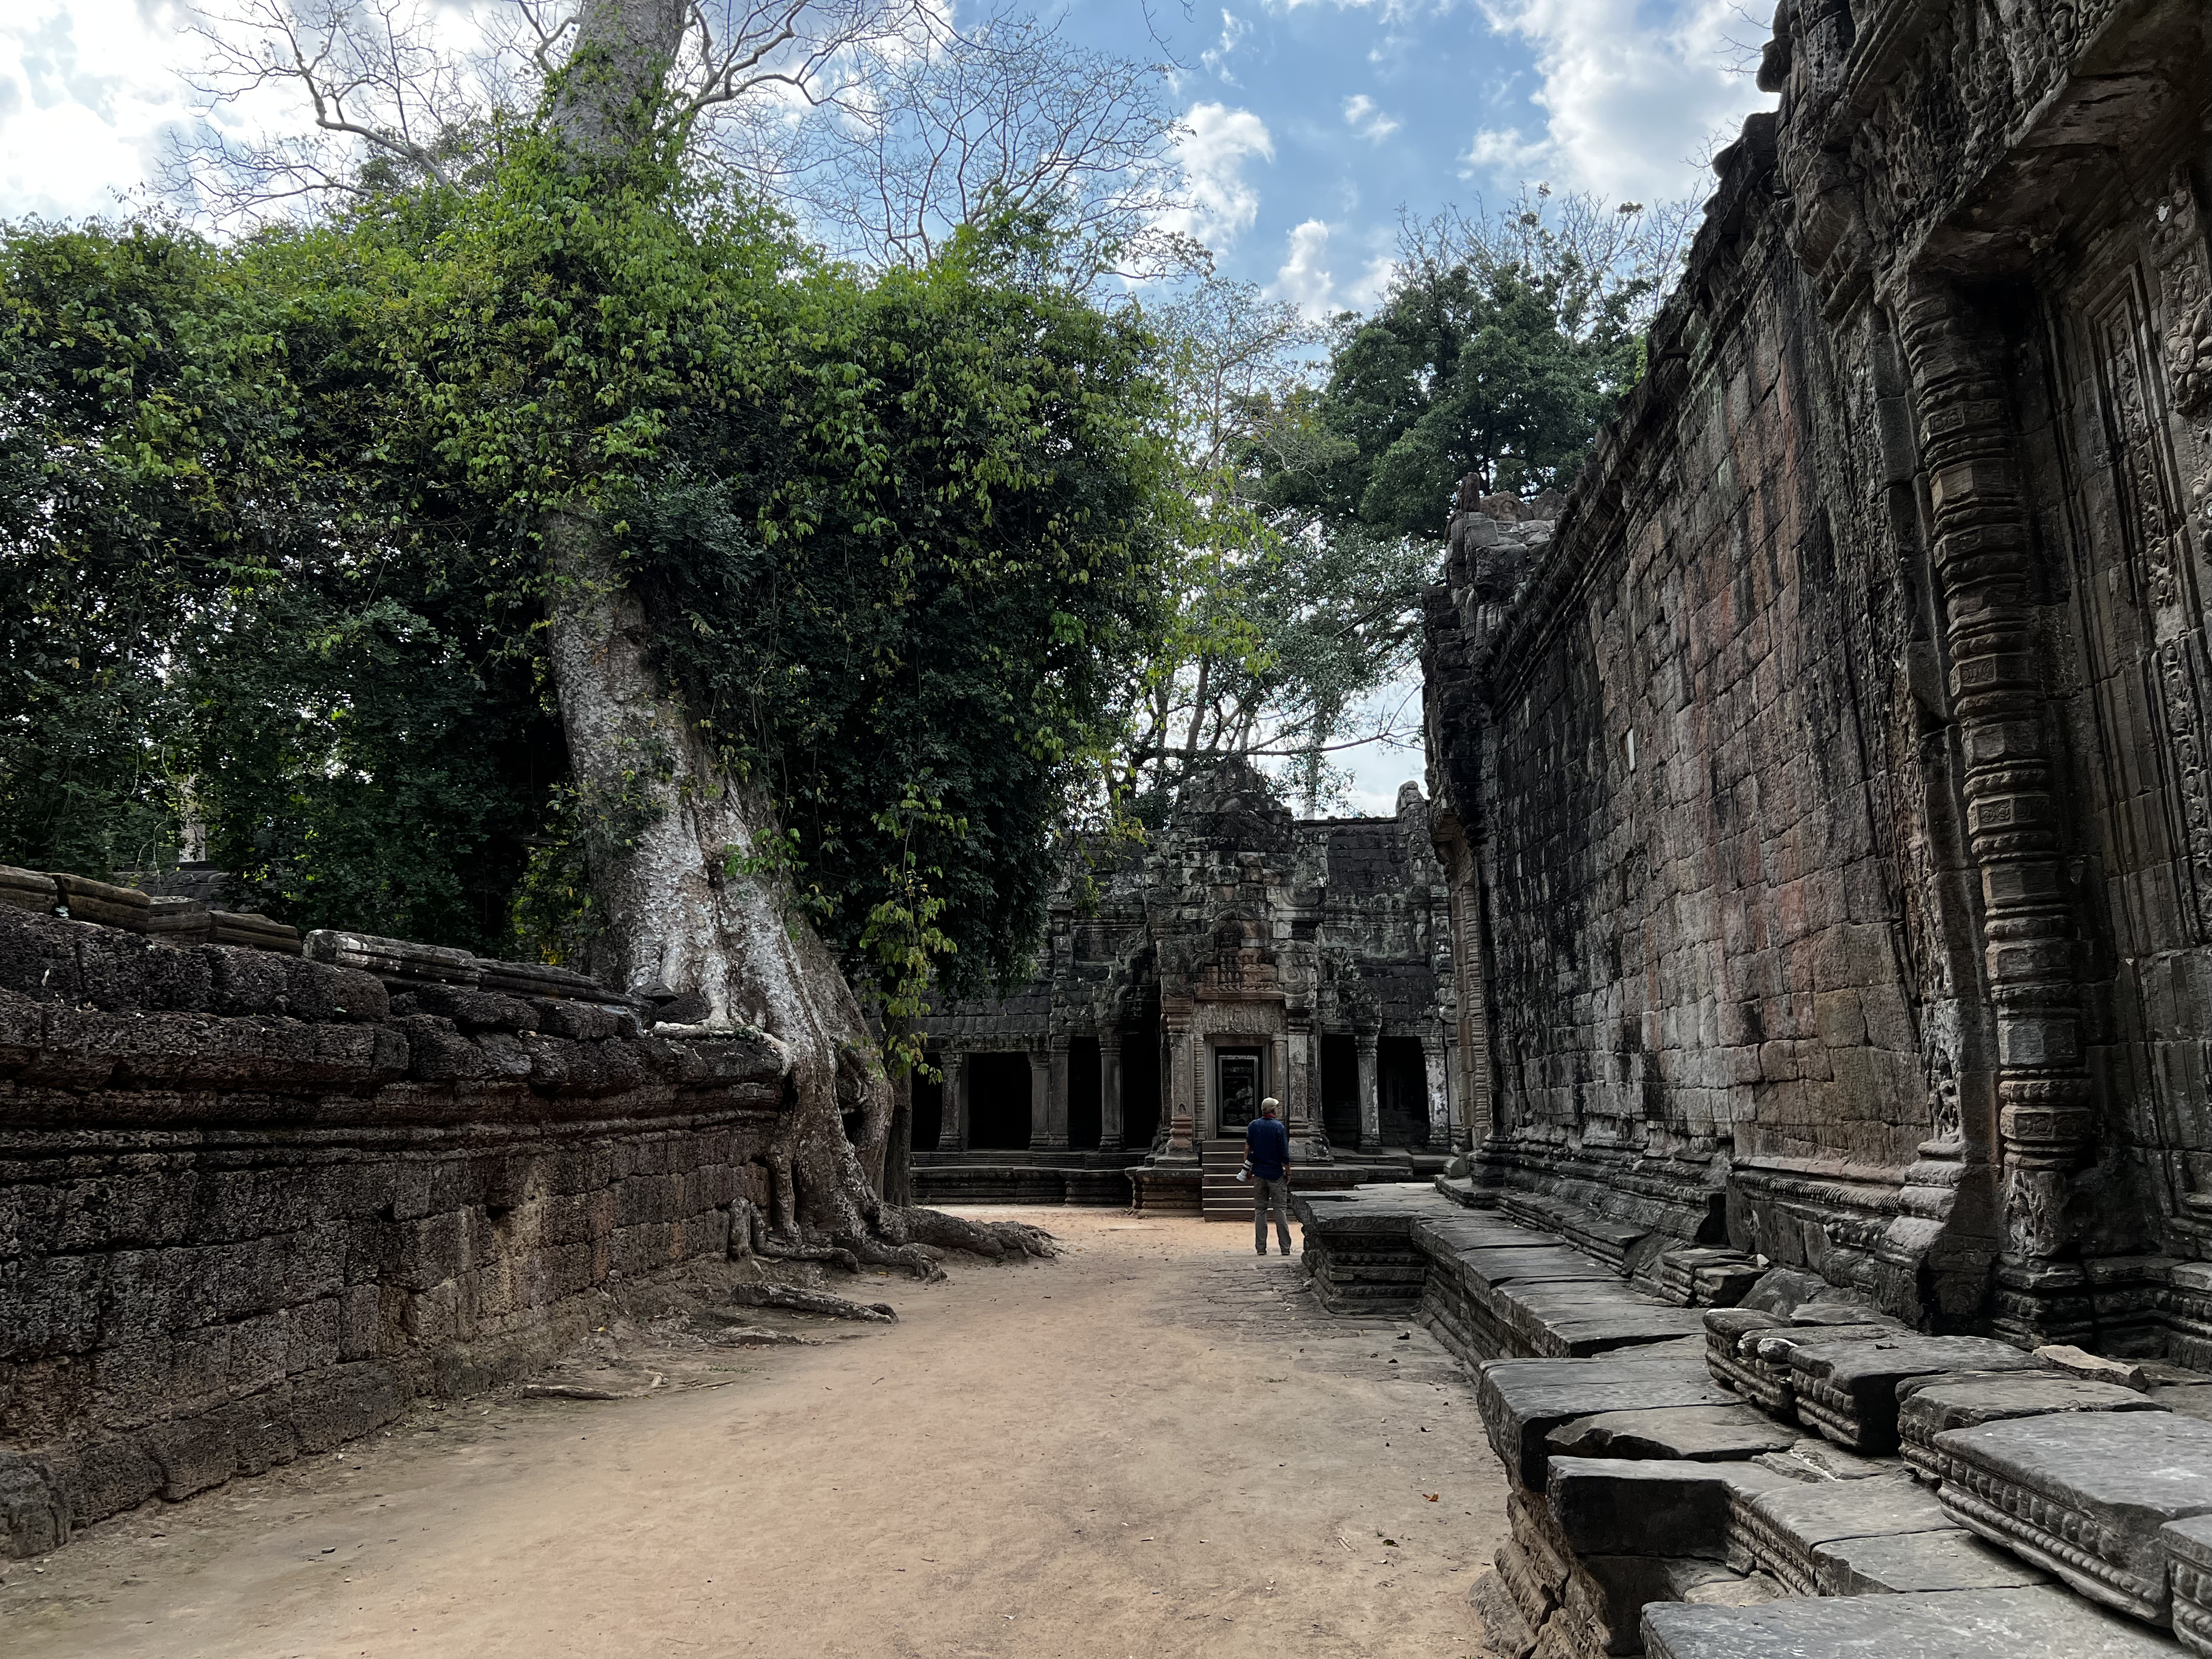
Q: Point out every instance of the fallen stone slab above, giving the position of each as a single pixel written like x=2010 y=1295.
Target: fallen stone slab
x=1705 y=1434
x=1931 y=1406
x=1522 y=1401
x=1907 y=1562
x=2095 y=1367
x=1568 y=1320
x=1778 y=1530
x=2083 y=1495
x=2040 y=1622
x=1848 y=1390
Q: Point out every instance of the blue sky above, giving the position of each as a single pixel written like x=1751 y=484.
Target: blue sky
x=1329 y=115
x=1312 y=122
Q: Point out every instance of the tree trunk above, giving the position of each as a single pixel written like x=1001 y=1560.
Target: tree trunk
x=687 y=902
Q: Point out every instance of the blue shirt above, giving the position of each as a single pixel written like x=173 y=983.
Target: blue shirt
x=1267 y=1144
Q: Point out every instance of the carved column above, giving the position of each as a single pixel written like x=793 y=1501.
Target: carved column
x=1301 y=1107
x=952 y=1123
x=1040 y=1100
x=1180 y=1079
x=1279 y=1076
x=1370 y=1105
x=1984 y=563
x=1056 y=1086
x=1432 y=1064
x=1110 y=1092
x=1455 y=1094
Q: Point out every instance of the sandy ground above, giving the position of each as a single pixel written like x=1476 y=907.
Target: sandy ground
x=1158 y=1444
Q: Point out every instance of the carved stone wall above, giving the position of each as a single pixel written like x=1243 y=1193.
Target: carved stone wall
x=250 y=1204
x=1824 y=798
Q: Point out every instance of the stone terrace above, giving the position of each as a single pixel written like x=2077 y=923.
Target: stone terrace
x=1798 y=1472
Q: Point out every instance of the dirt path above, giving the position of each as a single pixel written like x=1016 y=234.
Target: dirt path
x=1157 y=1445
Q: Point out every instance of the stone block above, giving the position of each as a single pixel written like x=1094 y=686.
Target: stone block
x=342 y=1404
x=2038 y=1622
x=1622 y=1506
x=1848 y=1390
x=194 y=1453
x=2083 y=1495
x=1907 y=1562
x=35 y=1518
x=1778 y=1529
x=1932 y=1405
x=1522 y=1401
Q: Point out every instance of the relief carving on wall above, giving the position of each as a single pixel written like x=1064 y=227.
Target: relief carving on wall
x=2178 y=249
x=2157 y=543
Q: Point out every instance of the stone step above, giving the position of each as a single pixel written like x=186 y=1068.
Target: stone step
x=2034 y=1623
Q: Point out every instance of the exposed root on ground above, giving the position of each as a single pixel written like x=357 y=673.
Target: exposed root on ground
x=798 y=1300
x=990 y=1238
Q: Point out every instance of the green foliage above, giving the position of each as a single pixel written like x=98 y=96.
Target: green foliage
x=1462 y=370
x=278 y=511
x=922 y=561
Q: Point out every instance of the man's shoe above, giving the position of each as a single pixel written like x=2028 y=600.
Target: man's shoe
x=1263 y=1249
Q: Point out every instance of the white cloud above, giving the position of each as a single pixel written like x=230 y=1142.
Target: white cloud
x=89 y=85
x=1307 y=281
x=1630 y=94
x=1216 y=57
x=1367 y=121
x=1213 y=155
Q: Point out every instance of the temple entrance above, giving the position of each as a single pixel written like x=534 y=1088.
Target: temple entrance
x=1235 y=1090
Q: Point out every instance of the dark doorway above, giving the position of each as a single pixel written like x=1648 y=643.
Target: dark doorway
x=1404 y=1088
x=1235 y=1090
x=1140 y=1085
x=1083 y=1104
x=1339 y=1090
x=929 y=1110
x=999 y=1102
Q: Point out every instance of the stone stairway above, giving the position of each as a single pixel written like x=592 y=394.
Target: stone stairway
x=1222 y=1197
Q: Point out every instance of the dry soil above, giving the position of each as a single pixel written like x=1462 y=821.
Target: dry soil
x=1158 y=1444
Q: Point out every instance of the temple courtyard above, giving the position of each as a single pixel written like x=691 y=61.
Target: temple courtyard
x=1157 y=1445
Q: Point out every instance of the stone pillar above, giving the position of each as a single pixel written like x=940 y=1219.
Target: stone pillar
x=1984 y=554
x=1302 y=1107
x=1370 y=1104
x=1176 y=1080
x=1110 y=1092
x=952 y=1125
x=1056 y=1097
x=1040 y=1101
x=1432 y=1063
x=1279 y=1085
x=1462 y=1139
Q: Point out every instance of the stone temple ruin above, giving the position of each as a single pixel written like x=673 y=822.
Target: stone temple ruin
x=1802 y=955
x=1240 y=955
x=1823 y=803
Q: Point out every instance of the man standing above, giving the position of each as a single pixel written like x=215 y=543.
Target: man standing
x=1267 y=1146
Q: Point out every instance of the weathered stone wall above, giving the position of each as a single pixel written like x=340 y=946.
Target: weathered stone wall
x=1824 y=797
x=251 y=1203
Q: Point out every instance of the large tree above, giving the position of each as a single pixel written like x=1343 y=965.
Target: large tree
x=830 y=574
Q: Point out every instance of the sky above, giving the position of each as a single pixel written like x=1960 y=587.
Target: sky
x=1310 y=123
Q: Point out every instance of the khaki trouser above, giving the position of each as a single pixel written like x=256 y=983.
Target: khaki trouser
x=1270 y=1196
